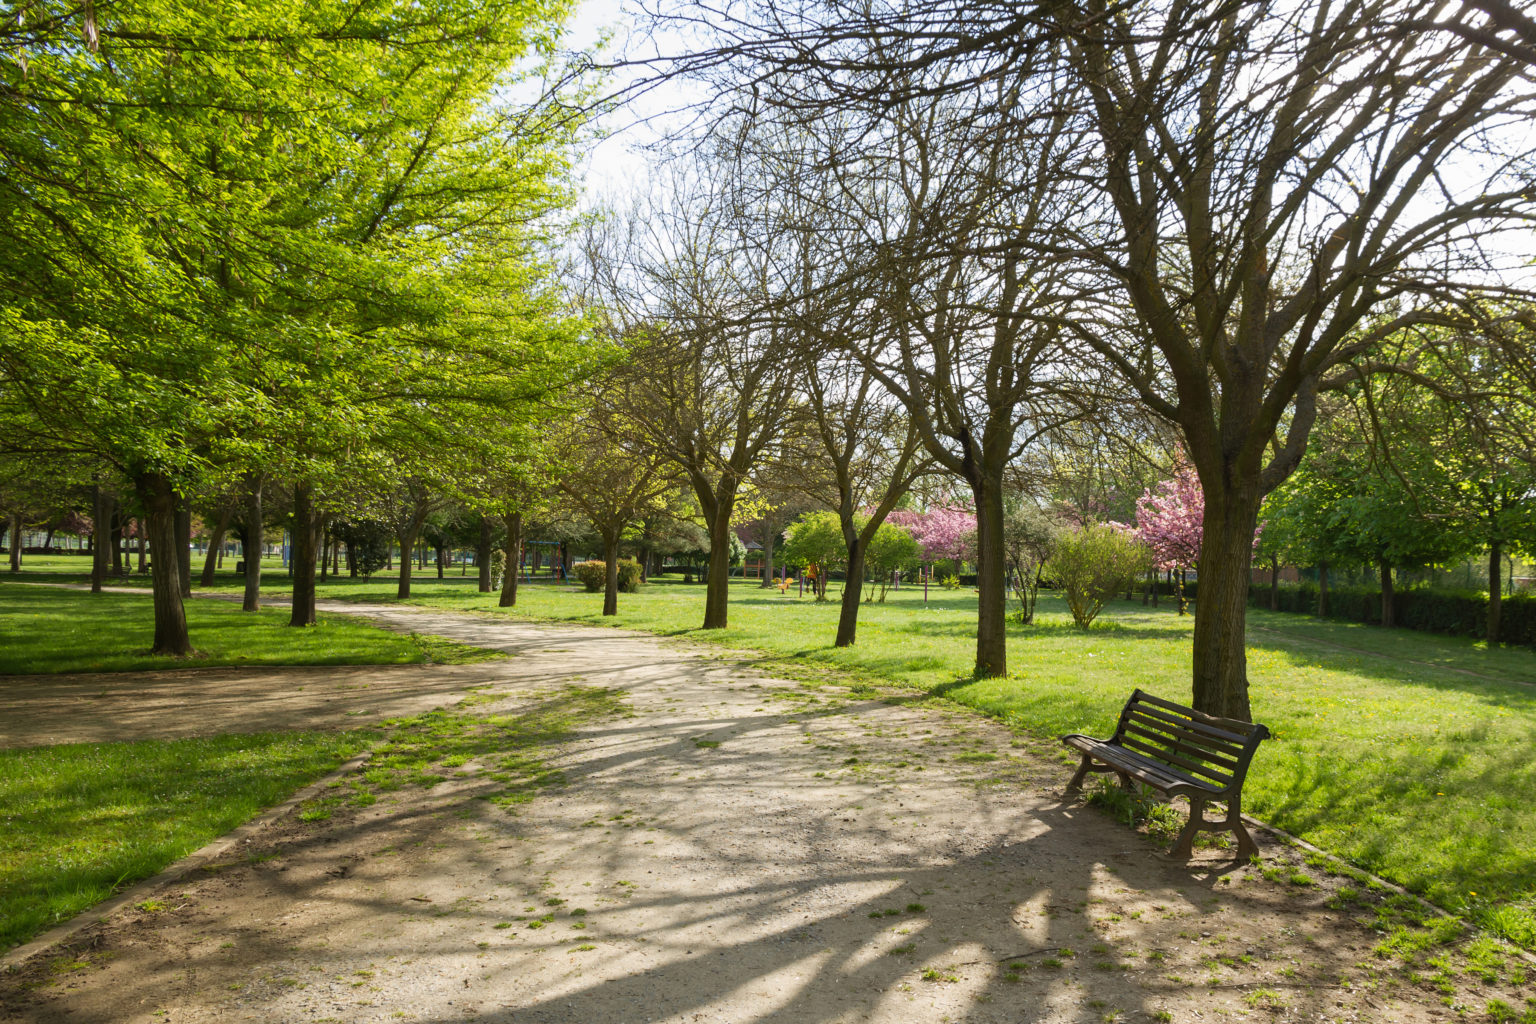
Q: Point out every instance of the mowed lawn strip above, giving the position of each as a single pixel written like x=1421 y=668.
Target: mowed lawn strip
x=81 y=820
x=1420 y=774
x=50 y=630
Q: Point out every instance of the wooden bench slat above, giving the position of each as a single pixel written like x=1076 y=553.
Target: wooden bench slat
x=1183 y=726
x=1218 y=779
x=1237 y=732
x=1180 y=740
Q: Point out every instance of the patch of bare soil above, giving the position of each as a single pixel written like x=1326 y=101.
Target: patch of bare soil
x=738 y=848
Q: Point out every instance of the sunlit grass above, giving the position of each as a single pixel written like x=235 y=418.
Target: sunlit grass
x=49 y=630
x=81 y=820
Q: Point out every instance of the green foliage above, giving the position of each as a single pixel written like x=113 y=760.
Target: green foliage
x=814 y=539
x=370 y=544
x=1029 y=534
x=1092 y=565
x=1450 y=612
x=892 y=549
x=592 y=574
x=629 y=576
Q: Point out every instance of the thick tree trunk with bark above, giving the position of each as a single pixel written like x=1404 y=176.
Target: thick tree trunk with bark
x=717 y=594
x=1274 y=583
x=1495 y=589
x=1388 y=597
x=13 y=531
x=184 y=547
x=853 y=591
x=159 y=501
x=117 y=538
x=438 y=553
x=252 y=546
x=513 y=552
x=101 y=527
x=301 y=561
x=407 y=557
x=1220 y=640
x=610 y=573
x=215 y=548
x=483 y=557
x=991 y=578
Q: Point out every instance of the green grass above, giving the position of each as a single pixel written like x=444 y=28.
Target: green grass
x=50 y=630
x=81 y=820
x=1380 y=755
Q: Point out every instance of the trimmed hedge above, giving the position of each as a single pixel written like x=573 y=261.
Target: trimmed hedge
x=1450 y=612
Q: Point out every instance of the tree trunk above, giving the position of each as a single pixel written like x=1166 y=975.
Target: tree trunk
x=143 y=545
x=437 y=551
x=407 y=557
x=769 y=536
x=184 y=546
x=611 y=573
x=1220 y=640
x=483 y=557
x=991 y=566
x=325 y=554
x=1388 y=598
x=1495 y=589
x=717 y=593
x=215 y=548
x=252 y=547
x=117 y=538
x=514 y=554
x=853 y=591
x=159 y=501
x=302 y=555
x=1274 y=583
x=14 y=529
x=101 y=529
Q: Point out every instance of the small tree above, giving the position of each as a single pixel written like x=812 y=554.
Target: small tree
x=1094 y=564
x=1029 y=533
x=1171 y=522
x=816 y=541
x=891 y=549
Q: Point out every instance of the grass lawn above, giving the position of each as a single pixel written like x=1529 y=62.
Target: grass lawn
x=49 y=629
x=81 y=819
x=1381 y=754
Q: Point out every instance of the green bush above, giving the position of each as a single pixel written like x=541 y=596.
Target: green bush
x=1449 y=612
x=1094 y=564
x=592 y=575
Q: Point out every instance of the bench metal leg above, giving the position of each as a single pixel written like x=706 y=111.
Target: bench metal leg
x=1246 y=847
x=1083 y=768
x=1185 y=847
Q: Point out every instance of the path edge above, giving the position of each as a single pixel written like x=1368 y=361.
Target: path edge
x=59 y=934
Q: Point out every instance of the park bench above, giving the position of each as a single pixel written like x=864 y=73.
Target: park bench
x=1179 y=752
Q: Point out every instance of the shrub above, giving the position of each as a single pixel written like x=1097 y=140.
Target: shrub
x=1094 y=564
x=592 y=575
x=1449 y=612
x=498 y=567
x=629 y=576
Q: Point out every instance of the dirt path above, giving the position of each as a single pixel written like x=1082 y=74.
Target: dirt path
x=729 y=847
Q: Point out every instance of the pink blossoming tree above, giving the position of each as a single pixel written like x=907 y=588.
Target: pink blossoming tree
x=1170 y=523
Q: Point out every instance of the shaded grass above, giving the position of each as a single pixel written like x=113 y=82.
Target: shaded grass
x=49 y=630
x=1380 y=755
x=82 y=820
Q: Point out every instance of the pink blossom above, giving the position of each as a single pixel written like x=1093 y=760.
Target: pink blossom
x=1171 y=521
x=941 y=532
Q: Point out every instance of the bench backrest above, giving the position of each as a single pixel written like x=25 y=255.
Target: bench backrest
x=1211 y=749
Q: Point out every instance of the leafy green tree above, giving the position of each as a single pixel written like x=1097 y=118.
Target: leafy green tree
x=816 y=542
x=1094 y=563
x=890 y=550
